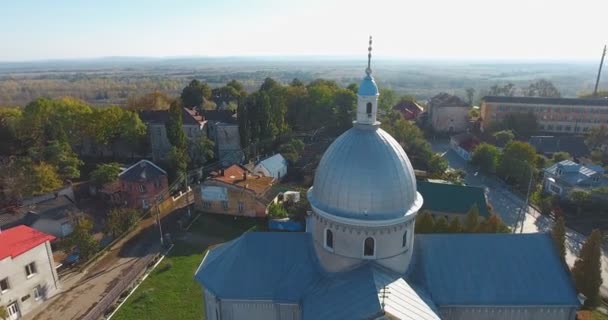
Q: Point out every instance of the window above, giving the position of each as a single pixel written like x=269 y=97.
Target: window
x=37 y=292
x=404 y=242
x=142 y=188
x=30 y=269
x=369 y=247
x=368 y=109
x=241 y=206
x=555 y=189
x=4 y=285
x=225 y=205
x=206 y=204
x=329 y=239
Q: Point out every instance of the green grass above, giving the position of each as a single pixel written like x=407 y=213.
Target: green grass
x=170 y=291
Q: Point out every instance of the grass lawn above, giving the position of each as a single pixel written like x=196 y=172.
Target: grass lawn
x=171 y=292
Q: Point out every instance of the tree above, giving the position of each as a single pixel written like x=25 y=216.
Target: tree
x=425 y=223
x=60 y=155
x=155 y=100
x=105 y=173
x=506 y=90
x=120 y=220
x=173 y=126
x=471 y=221
x=386 y=100
x=441 y=225
x=470 y=95
x=493 y=224
x=291 y=150
x=345 y=106
x=43 y=178
x=486 y=156
x=3 y=313
x=178 y=162
x=561 y=156
x=9 y=121
x=200 y=150
x=524 y=124
x=587 y=270
x=277 y=211
x=597 y=136
x=195 y=93
x=82 y=238
x=455 y=226
x=558 y=234
x=518 y=159
x=580 y=198
x=503 y=137
x=541 y=88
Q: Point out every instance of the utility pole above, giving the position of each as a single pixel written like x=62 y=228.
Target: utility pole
x=599 y=72
x=160 y=228
x=527 y=199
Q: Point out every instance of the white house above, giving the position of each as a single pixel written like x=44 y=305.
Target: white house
x=27 y=270
x=275 y=166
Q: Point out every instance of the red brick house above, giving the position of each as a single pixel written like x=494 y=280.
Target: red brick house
x=409 y=109
x=141 y=183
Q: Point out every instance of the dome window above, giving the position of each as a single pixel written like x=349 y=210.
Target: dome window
x=368 y=109
x=329 y=239
x=404 y=243
x=369 y=247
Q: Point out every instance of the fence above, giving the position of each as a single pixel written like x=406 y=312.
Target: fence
x=125 y=283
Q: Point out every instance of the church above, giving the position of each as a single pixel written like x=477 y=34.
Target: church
x=360 y=259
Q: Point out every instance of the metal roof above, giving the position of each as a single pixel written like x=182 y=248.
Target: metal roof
x=451 y=198
x=274 y=164
x=572 y=172
x=546 y=100
x=492 y=269
x=143 y=170
x=366 y=175
x=368 y=87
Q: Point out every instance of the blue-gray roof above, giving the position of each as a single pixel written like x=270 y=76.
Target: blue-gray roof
x=274 y=164
x=598 y=102
x=492 y=269
x=574 y=173
x=368 y=87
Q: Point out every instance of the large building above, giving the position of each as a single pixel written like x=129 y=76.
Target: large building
x=557 y=115
x=448 y=113
x=359 y=257
x=142 y=184
x=27 y=270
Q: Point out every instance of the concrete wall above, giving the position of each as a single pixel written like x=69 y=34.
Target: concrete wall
x=508 y=313
x=21 y=286
x=58 y=228
x=449 y=119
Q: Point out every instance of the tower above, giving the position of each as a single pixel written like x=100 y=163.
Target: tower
x=367 y=96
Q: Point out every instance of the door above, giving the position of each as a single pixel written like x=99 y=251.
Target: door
x=13 y=311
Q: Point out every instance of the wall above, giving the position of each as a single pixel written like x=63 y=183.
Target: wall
x=252 y=205
x=508 y=313
x=442 y=119
x=65 y=191
x=133 y=197
x=159 y=142
x=21 y=286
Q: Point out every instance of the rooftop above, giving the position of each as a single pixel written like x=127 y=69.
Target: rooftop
x=142 y=170
x=54 y=209
x=189 y=117
x=274 y=163
x=574 y=173
x=20 y=239
x=451 y=198
x=443 y=100
x=225 y=116
x=236 y=174
x=574 y=145
x=545 y=100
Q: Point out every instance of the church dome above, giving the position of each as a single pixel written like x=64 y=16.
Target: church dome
x=365 y=175
x=368 y=87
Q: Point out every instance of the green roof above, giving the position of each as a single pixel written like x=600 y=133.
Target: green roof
x=451 y=198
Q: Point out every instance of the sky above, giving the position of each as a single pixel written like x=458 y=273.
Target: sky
x=428 y=29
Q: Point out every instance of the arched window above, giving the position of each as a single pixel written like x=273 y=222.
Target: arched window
x=404 y=243
x=368 y=109
x=369 y=247
x=329 y=239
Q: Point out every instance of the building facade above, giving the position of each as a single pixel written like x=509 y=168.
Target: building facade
x=27 y=270
x=448 y=113
x=555 y=115
x=224 y=131
x=142 y=184
x=563 y=177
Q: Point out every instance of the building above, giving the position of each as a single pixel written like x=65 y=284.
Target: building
x=556 y=115
x=451 y=200
x=548 y=145
x=448 y=113
x=223 y=129
x=141 y=184
x=359 y=257
x=563 y=177
x=235 y=191
x=193 y=125
x=464 y=144
x=27 y=270
x=408 y=109
x=55 y=216
x=274 y=166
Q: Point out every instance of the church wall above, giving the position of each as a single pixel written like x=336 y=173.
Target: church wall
x=362 y=115
x=262 y=310
x=211 y=307
x=508 y=313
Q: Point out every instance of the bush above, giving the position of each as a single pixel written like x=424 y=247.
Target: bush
x=277 y=211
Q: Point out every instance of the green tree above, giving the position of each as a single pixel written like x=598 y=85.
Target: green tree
x=455 y=226
x=561 y=156
x=386 y=100
x=493 y=224
x=524 y=124
x=60 y=155
x=120 y=220
x=486 y=156
x=291 y=150
x=505 y=90
x=43 y=178
x=425 y=223
x=178 y=162
x=9 y=121
x=587 y=270
x=503 y=137
x=195 y=93
x=471 y=221
x=3 y=313
x=470 y=95
x=82 y=238
x=558 y=234
x=345 y=106
x=277 y=211
x=518 y=158
x=580 y=198
x=200 y=150
x=541 y=88
x=173 y=126
x=441 y=225
x=105 y=173
x=154 y=100
x=597 y=136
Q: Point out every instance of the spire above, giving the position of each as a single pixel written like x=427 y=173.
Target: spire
x=369 y=57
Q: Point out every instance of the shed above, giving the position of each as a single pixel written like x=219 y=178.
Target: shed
x=275 y=166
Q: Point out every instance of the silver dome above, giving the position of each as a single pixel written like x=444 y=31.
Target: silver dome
x=365 y=175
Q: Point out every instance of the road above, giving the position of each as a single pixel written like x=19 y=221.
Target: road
x=508 y=205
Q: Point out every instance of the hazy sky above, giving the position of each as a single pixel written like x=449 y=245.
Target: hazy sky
x=50 y=29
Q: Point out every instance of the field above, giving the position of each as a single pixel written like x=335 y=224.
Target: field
x=170 y=291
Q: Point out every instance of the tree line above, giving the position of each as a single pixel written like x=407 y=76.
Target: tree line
x=426 y=222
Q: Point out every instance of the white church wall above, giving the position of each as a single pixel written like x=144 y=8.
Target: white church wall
x=507 y=313
x=211 y=307
x=362 y=115
x=258 y=310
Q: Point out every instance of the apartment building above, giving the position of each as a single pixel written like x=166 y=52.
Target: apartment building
x=555 y=115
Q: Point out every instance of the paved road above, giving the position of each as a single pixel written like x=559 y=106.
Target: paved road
x=508 y=205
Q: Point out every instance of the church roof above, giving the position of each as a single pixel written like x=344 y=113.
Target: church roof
x=492 y=269
x=368 y=87
x=451 y=198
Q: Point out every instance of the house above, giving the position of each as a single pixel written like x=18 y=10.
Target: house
x=360 y=259
x=274 y=166
x=563 y=177
x=464 y=144
x=223 y=129
x=235 y=191
x=548 y=145
x=27 y=271
x=55 y=216
x=448 y=113
x=408 y=109
x=193 y=125
x=555 y=115
x=450 y=200
x=142 y=184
